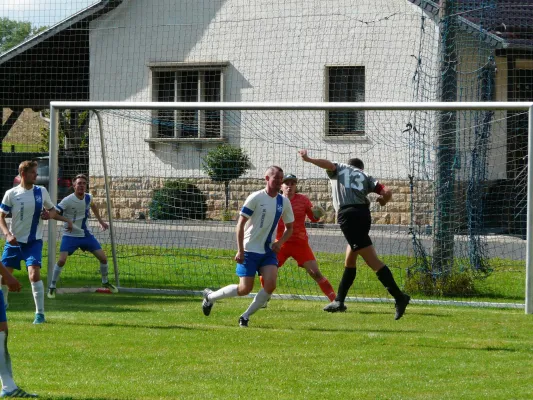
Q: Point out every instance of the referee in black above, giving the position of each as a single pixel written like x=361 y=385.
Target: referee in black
x=350 y=187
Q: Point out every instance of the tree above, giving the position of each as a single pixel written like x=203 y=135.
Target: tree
x=225 y=163
x=13 y=33
x=73 y=130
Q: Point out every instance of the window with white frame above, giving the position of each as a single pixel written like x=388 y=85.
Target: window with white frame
x=345 y=84
x=188 y=83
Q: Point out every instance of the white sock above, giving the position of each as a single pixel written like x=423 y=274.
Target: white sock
x=226 y=291
x=104 y=270
x=55 y=275
x=5 y=291
x=6 y=374
x=259 y=300
x=37 y=289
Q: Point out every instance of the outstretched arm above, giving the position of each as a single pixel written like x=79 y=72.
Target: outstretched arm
x=58 y=217
x=325 y=164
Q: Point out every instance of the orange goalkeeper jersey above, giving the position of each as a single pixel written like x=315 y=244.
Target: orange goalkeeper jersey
x=301 y=207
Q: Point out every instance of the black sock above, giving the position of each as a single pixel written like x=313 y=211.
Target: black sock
x=386 y=278
x=346 y=282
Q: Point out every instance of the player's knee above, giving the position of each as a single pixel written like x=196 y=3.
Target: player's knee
x=315 y=274
x=243 y=290
x=61 y=262
x=270 y=287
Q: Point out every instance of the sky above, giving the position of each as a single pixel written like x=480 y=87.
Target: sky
x=41 y=12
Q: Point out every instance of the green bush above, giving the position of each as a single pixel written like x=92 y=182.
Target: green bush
x=178 y=200
x=457 y=283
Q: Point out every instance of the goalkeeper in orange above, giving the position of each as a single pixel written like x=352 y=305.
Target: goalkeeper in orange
x=297 y=246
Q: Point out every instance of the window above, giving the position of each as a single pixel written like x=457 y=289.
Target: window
x=188 y=83
x=346 y=84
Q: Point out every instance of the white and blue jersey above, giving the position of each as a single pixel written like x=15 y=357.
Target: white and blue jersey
x=264 y=213
x=25 y=206
x=78 y=211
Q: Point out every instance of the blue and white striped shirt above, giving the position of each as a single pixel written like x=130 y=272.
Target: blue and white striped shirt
x=25 y=207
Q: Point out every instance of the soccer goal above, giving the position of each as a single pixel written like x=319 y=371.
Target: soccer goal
x=171 y=177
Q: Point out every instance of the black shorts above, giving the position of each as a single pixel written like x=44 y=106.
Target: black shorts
x=355 y=222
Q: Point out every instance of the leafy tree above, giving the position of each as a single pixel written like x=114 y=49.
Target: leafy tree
x=13 y=33
x=225 y=163
x=73 y=130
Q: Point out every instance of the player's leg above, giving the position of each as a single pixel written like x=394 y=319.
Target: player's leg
x=11 y=257
x=270 y=275
x=347 y=280
x=246 y=272
x=5 y=290
x=312 y=269
x=305 y=258
x=56 y=273
x=104 y=269
x=282 y=257
x=385 y=276
x=33 y=253
x=9 y=387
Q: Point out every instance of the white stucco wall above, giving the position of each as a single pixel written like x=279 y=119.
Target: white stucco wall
x=277 y=51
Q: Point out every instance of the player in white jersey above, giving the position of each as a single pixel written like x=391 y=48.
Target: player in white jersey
x=350 y=186
x=24 y=237
x=77 y=207
x=256 y=250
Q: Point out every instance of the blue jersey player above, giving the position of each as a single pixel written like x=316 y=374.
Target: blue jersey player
x=256 y=249
x=24 y=238
x=77 y=207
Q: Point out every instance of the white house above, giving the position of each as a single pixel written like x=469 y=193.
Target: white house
x=236 y=50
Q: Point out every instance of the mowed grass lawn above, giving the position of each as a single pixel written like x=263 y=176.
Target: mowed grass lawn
x=125 y=346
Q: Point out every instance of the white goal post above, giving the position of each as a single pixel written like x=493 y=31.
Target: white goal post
x=56 y=107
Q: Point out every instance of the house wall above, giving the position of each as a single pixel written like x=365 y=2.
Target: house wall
x=473 y=55
x=276 y=52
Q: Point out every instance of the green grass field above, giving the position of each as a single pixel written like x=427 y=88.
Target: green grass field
x=98 y=346
x=194 y=269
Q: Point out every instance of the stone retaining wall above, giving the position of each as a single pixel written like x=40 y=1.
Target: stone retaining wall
x=131 y=198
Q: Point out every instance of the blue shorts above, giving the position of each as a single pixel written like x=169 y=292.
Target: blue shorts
x=254 y=261
x=72 y=243
x=31 y=253
x=3 y=315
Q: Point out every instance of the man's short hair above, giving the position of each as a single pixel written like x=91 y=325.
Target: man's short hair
x=356 y=162
x=82 y=176
x=272 y=170
x=25 y=166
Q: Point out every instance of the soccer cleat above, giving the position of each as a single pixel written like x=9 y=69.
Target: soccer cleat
x=243 y=322
x=108 y=285
x=17 y=393
x=206 y=304
x=39 y=319
x=335 y=306
x=51 y=293
x=401 y=305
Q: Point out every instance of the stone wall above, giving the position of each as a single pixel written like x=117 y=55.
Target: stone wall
x=131 y=198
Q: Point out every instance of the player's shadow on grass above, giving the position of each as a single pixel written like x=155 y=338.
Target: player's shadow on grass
x=132 y=326
x=95 y=302
x=483 y=348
